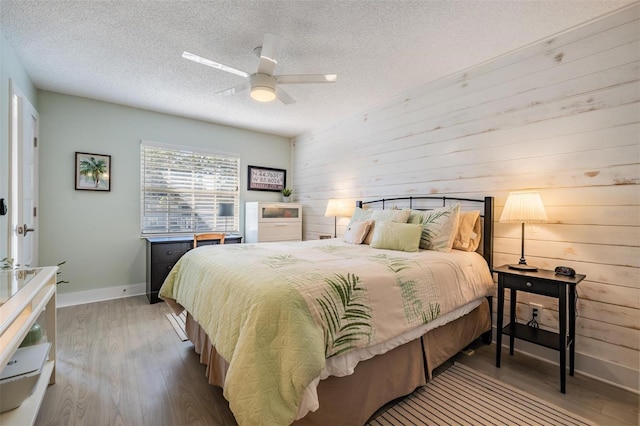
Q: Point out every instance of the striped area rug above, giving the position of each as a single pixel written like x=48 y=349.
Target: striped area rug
x=178 y=323
x=463 y=396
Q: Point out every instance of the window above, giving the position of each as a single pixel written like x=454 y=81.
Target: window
x=181 y=189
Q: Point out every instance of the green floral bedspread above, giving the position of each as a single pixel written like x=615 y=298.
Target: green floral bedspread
x=276 y=311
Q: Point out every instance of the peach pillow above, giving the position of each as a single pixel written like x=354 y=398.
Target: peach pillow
x=356 y=231
x=469 y=229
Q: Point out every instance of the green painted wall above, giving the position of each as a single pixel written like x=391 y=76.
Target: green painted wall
x=98 y=233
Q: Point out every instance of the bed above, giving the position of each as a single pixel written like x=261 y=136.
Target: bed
x=328 y=331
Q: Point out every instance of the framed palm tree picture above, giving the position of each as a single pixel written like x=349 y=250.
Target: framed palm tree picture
x=93 y=172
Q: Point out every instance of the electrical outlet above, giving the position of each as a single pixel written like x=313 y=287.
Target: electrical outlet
x=537 y=308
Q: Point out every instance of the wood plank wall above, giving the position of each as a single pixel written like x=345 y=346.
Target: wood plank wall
x=561 y=116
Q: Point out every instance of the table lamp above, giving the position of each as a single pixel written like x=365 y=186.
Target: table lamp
x=523 y=207
x=339 y=208
x=226 y=210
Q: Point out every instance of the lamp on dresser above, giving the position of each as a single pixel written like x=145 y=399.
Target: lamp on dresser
x=226 y=210
x=339 y=208
x=523 y=207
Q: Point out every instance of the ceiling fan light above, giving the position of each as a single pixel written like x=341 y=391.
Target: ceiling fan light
x=263 y=87
x=263 y=93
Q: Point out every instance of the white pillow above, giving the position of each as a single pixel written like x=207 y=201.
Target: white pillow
x=356 y=231
x=392 y=215
x=439 y=228
x=361 y=214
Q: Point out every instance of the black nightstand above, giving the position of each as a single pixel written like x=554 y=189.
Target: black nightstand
x=164 y=252
x=546 y=283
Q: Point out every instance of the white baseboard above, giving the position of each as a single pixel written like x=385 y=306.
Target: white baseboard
x=99 y=295
x=599 y=369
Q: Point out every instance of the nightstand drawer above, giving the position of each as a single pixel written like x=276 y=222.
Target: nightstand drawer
x=280 y=231
x=168 y=253
x=532 y=285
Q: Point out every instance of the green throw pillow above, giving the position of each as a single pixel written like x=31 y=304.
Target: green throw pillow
x=396 y=236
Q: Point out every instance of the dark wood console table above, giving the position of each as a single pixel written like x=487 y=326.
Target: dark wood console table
x=164 y=252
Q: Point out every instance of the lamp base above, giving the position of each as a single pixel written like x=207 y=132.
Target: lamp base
x=523 y=267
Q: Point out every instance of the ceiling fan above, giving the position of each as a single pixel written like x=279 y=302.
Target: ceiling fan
x=264 y=86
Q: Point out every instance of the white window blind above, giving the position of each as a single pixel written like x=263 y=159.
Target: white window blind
x=182 y=189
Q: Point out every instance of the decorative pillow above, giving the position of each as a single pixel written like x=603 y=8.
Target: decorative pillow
x=468 y=236
x=396 y=236
x=356 y=231
x=361 y=214
x=439 y=228
x=392 y=215
x=415 y=216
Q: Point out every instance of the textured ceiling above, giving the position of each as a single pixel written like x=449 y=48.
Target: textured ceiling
x=129 y=52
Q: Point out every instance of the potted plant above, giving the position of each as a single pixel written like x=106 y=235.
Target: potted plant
x=286 y=194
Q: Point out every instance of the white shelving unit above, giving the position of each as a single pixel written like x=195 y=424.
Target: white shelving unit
x=269 y=222
x=25 y=295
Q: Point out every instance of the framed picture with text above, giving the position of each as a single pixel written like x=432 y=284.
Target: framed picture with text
x=266 y=179
x=93 y=172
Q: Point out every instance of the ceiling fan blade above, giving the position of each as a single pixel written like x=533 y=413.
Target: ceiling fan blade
x=306 y=78
x=212 y=64
x=269 y=52
x=237 y=89
x=284 y=97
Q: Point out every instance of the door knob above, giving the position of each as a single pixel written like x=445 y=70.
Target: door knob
x=24 y=229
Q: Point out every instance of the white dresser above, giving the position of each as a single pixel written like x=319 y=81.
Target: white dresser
x=265 y=222
x=24 y=295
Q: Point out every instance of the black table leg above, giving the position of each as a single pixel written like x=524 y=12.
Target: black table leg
x=572 y=328
x=499 y=318
x=562 y=319
x=512 y=319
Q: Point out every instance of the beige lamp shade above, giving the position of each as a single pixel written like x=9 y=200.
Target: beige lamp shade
x=523 y=207
x=340 y=208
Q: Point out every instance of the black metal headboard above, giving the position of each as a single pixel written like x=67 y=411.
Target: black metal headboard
x=418 y=203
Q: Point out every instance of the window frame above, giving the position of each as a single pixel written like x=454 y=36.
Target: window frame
x=192 y=204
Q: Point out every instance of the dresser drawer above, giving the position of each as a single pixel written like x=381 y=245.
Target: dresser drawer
x=279 y=212
x=159 y=272
x=280 y=232
x=532 y=285
x=168 y=253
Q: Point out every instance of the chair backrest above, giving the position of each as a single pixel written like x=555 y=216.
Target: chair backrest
x=207 y=237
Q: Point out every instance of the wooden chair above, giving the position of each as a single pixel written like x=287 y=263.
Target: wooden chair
x=207 y=237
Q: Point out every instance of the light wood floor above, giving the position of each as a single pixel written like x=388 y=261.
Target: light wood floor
x=121 y=363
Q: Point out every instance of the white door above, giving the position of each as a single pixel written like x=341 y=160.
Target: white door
x=23 y=180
